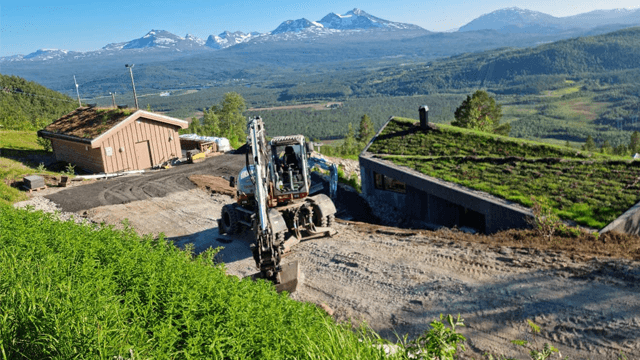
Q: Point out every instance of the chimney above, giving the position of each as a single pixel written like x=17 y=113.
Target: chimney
x=424 y=117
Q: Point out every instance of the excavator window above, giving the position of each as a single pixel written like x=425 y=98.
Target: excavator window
x=288 y=166
x=290 y=157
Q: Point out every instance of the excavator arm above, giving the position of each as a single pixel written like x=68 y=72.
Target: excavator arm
x=267 y=249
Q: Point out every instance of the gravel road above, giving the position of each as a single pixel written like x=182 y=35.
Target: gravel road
x=398 y=284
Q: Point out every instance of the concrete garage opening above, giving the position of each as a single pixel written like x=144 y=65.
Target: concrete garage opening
x=472 y=219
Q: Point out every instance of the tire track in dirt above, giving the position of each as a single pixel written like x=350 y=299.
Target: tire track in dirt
x=400 y=284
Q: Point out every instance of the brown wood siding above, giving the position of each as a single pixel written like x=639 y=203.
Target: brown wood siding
x=156 y=133
x=82 y=155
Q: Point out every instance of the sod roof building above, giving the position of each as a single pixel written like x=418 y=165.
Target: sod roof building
x=114 y=140
x=442 y=175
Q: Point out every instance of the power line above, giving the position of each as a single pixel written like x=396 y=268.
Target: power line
x=101 y=96
x=24 y=93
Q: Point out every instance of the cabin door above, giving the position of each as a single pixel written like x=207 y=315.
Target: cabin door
x=143 y=155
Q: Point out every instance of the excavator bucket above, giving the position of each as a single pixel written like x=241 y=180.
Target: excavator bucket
x=288 y=277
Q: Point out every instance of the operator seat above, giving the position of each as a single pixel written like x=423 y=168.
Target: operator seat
x=290 y=158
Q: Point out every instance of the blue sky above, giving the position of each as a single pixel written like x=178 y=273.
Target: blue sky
x=26 y=26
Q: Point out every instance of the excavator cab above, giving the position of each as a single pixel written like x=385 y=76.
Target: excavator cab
x=289 y=168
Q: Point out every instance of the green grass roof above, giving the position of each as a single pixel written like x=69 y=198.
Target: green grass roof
x=591 y=189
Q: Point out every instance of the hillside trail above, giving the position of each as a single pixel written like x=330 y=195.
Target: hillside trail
x=398 y=281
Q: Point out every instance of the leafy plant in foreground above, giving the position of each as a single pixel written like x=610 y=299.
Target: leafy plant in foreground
x=439 y=343
x=544 y=221
x=544 y=354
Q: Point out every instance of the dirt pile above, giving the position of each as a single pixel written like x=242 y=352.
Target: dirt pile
x=213 y=184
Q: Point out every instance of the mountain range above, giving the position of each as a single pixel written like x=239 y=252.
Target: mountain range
x=513 y=20
x=354 y=22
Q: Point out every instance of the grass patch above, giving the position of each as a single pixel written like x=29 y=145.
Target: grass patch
x=403 y=137
x=591 y=189
x=73 y=291
x=565 y=91
x=19 y=140
x=11 y=170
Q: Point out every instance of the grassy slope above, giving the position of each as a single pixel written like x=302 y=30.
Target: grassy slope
x=592 y=192
x=402 y=137
x=26 y=105
x=79 y=291
x=13 y=170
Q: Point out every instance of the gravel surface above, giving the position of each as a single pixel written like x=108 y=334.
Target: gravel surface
x=398 y=285
x=153 y=184
x=39 y=203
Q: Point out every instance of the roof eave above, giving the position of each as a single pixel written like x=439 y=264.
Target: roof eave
x=49 y=134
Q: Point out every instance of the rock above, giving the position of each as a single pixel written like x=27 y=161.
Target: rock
x=326 y=308
x=505 y=250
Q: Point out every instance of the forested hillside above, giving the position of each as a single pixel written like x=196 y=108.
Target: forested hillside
x=333 y=123
x=509 y=70
x=26 y=105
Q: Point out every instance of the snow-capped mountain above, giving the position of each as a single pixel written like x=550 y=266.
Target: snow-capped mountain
x=226 y=39
x=354 y=23
x=512 y=20
x=358 y=19
x=295 y=26
x=355 y=26
x=41 y=55
x=160 y=39
x=194 y=39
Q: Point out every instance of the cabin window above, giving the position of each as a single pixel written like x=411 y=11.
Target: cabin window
x=383 y=182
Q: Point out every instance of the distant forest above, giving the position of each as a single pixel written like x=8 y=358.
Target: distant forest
x=333 y=123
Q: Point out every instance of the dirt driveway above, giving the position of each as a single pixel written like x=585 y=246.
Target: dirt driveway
x=400 y=283
x=154 y=184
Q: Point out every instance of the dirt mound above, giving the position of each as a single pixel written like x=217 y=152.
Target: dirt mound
x=214 y=184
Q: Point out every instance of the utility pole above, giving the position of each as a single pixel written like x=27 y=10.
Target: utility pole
x=135 y=97
x=113 y=99
x=77 y=91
